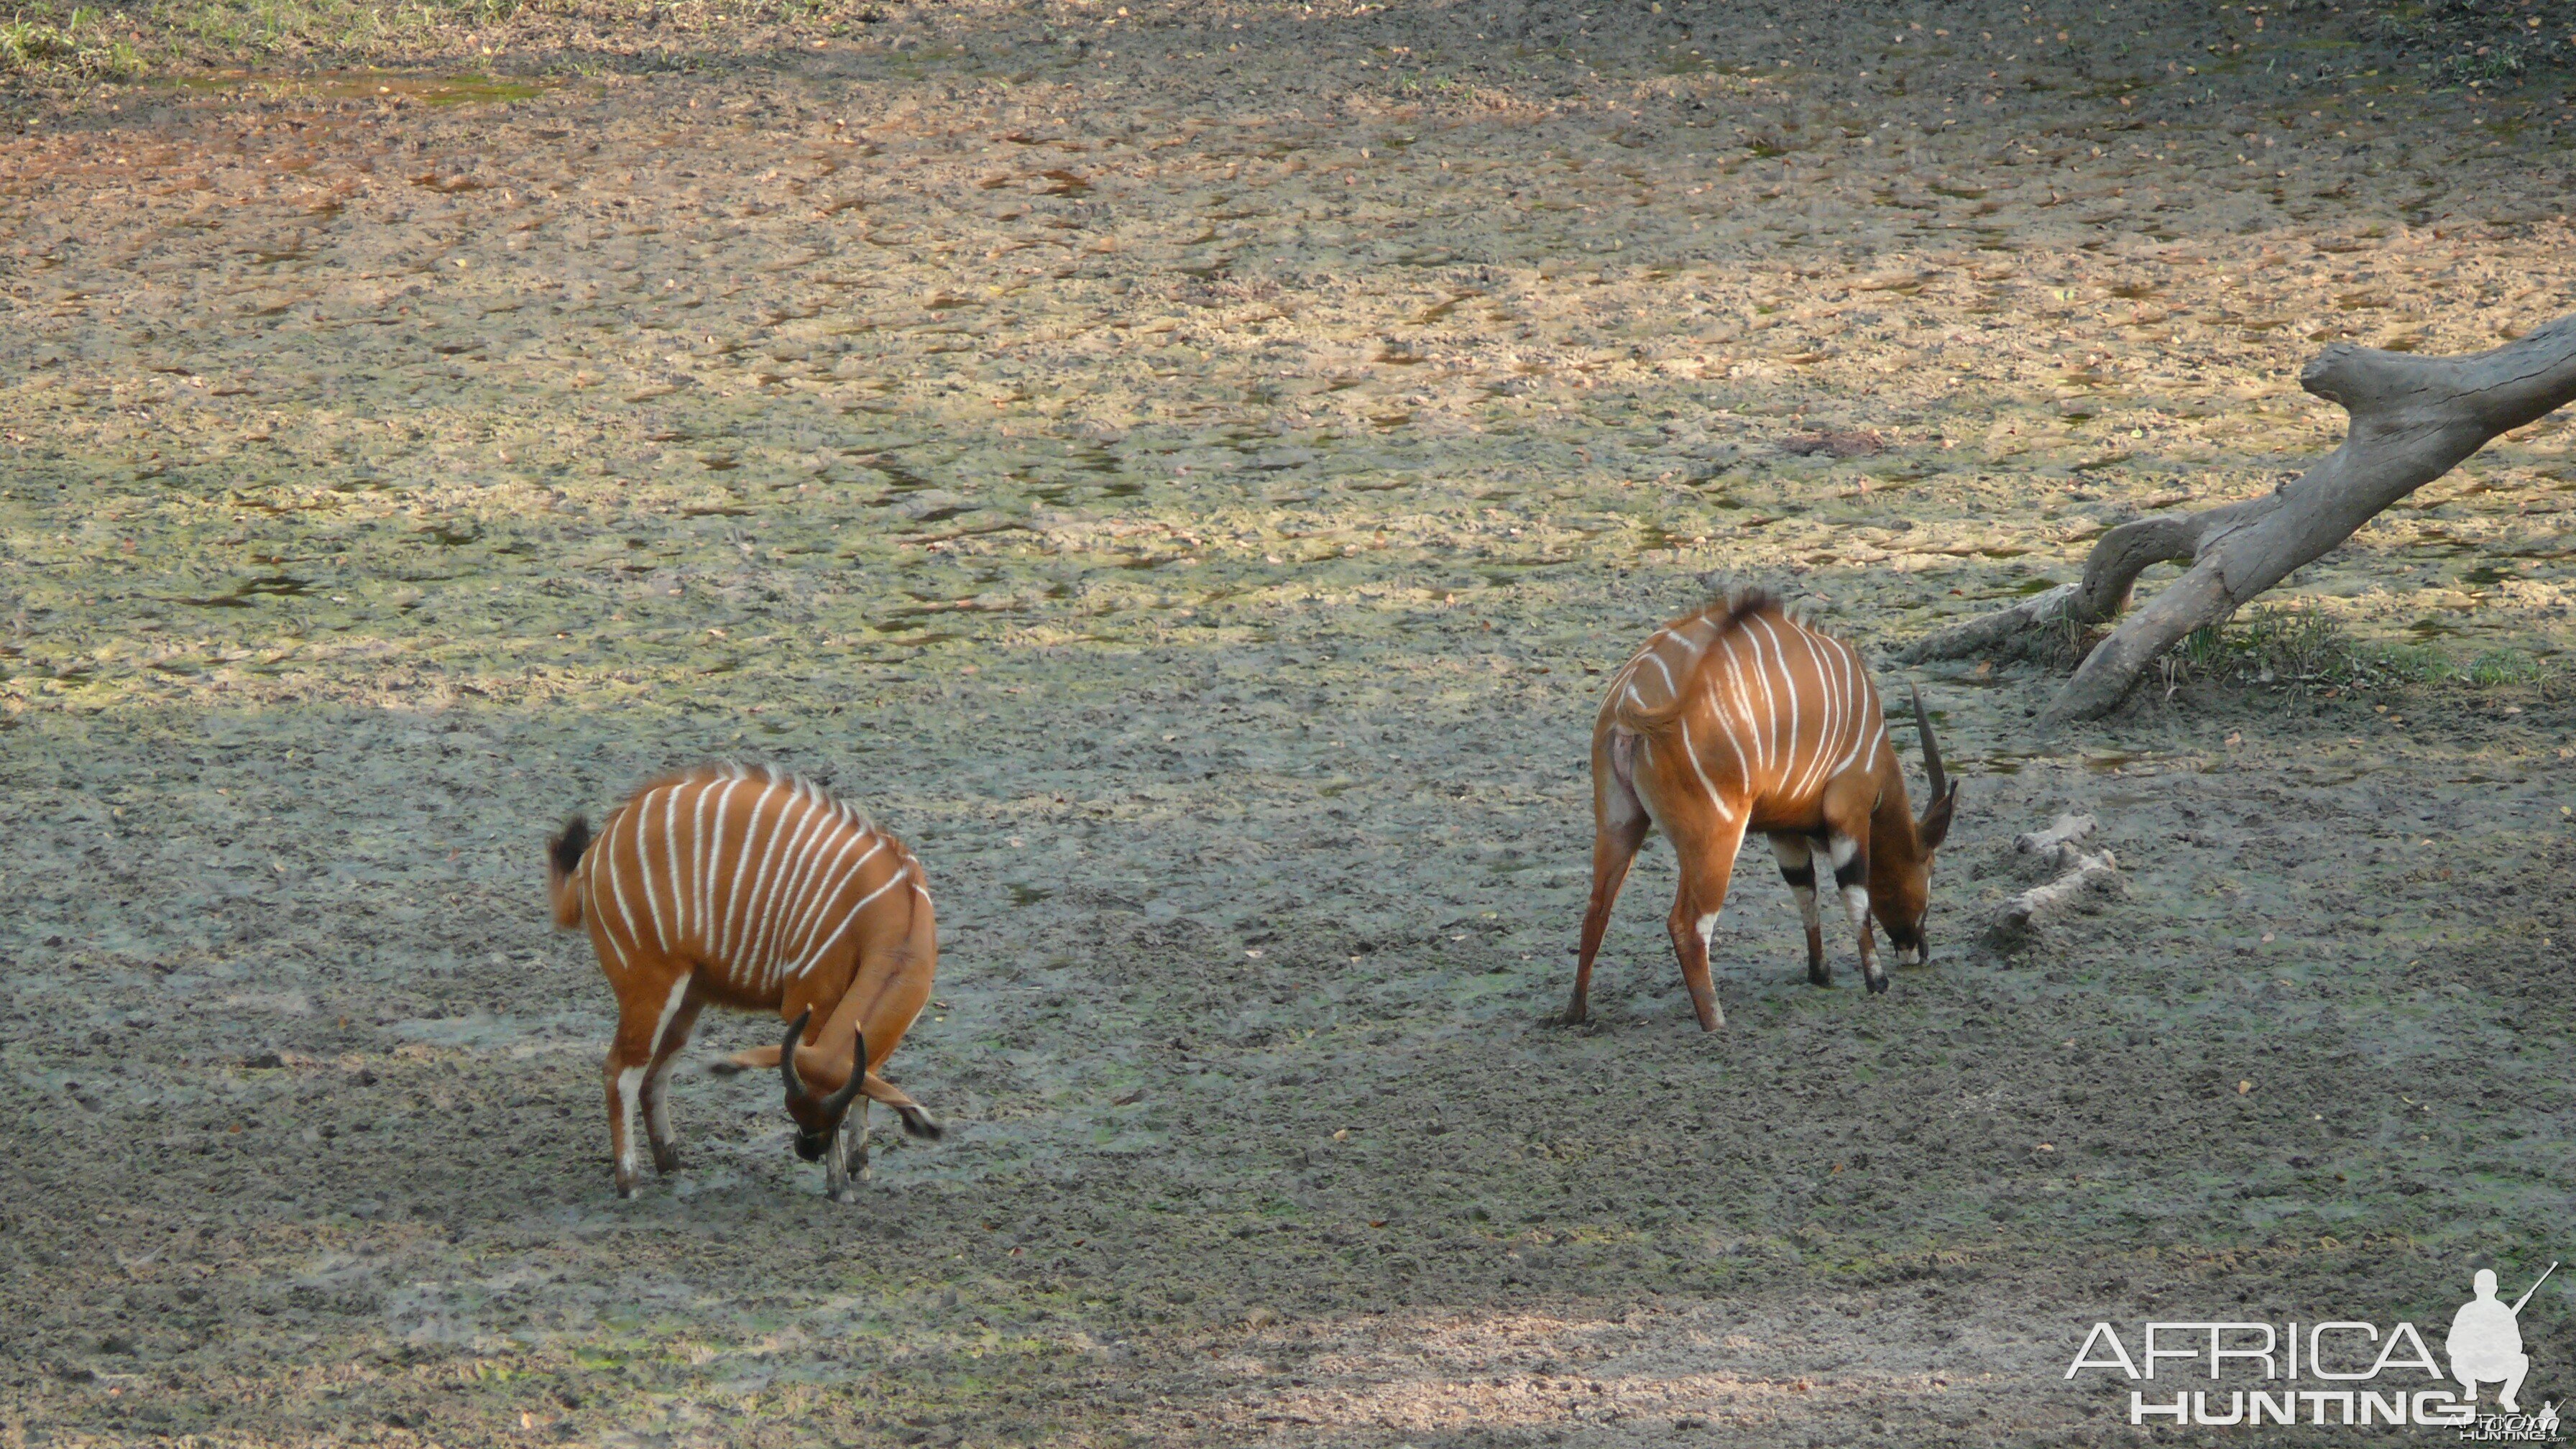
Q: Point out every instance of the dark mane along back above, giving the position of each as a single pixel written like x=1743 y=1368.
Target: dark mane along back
x=1739 y=607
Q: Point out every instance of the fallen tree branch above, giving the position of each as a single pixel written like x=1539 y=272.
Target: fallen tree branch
x=2078 y=874
x=2065 y=830
x=2413 y=420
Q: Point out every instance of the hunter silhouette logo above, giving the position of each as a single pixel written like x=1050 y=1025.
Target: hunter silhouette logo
x=2486 y=1341
x=2334 y=1371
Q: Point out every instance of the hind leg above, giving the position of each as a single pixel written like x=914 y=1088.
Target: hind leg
x=657 y=1083
x=643 y=1015
x=1798 y=867
x=1707 y=856
x=1619 y=826
x=917 y=1121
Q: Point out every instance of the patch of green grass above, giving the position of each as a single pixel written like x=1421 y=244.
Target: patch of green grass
x=2505 y=666
x=44 y=41
x=79 y=46
x=256 y=27
x=2293 y=645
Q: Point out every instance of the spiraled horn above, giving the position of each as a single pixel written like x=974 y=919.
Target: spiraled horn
x=839 y=1102
x=1931 y=747
x=787 y=1054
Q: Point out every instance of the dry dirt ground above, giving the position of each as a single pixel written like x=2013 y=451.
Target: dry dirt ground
x=1188 y=480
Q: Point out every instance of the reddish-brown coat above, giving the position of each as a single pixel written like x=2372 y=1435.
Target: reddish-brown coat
x=751 y=889
x=1737 y=717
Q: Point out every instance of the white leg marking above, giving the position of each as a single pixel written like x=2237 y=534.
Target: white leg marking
x=630 y=1088
x=1842 y=850
x=1793 y=853
x=1856 y=901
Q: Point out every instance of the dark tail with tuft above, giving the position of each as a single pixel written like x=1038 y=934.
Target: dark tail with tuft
x=563 y=870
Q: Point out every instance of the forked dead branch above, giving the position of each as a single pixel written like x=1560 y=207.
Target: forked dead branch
x=2413 y=420
x=2078 y=874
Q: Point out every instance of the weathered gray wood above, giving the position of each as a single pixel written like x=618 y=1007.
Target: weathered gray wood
x=2079 y=874
x=2065 y=830
x=2413 y=420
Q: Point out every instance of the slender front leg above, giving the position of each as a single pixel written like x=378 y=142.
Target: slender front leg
x=845 y=1162
x=1851 y=873
x=856 y=1128
x=1798 y=867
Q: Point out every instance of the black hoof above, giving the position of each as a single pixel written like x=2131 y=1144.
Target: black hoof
x=723 y=1068
x=1878 y=986
x=666 y=1159
x=922 y=1124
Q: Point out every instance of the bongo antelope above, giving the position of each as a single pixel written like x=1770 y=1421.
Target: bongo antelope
x=1740 y=718
x=755 y=890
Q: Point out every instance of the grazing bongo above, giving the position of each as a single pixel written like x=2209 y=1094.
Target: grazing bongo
x=756 y=890
x=1740 y=718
